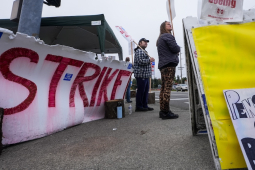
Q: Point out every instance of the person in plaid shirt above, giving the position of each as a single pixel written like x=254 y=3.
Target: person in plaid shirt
x=142 y=73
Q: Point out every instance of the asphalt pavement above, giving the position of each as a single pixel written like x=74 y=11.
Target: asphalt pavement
x=177 y=99
x=140 y=141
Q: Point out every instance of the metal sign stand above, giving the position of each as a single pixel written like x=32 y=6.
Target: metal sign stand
x=200 y=119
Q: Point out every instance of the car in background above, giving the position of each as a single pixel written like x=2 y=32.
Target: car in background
x=181 y=87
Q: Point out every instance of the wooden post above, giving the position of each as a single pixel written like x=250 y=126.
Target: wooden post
x=132 y=53
x=150 y=86
x=171 y=16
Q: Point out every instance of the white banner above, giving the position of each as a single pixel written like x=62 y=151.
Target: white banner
x=45 y=89
x=241 y=106
x=222 y=10
x=168 y=2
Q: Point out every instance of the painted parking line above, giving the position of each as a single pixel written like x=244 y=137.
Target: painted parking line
x=180 y=99
x=177 y=99
x=177 y=94
x=186 y=102
x=172 y=96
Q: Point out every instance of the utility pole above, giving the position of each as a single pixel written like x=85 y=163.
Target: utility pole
x=30 y=17
x=180 y=68
x=181 y=65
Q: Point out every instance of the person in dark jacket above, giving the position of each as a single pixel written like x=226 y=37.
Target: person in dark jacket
x=168 y=52
x=142 y=73
x=129 y=84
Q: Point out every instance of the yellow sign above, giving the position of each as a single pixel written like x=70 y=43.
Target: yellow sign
x=226 y=57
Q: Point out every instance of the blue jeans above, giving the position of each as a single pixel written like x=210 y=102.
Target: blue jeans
x=142 y=92
x=128 y=92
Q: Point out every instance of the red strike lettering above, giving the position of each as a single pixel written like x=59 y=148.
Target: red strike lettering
x=230 y=3
x=79 y=81
x=5 y=60
x=118 y=82
x=94 y=93
x=64 y=62
x=104 y=86
x=7 y=57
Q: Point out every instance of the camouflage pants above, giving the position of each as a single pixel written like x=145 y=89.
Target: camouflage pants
x=167 y=76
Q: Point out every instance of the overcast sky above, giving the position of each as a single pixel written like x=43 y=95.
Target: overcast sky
x=140 y=18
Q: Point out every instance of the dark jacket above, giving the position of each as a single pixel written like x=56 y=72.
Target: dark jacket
x=167 y=50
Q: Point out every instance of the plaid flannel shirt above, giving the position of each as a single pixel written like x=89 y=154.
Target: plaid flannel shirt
x=142 y=65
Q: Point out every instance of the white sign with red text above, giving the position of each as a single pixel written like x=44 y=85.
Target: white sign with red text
x=45 y=89
x=222 y=10
x=131 y=44
x=124 y=33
